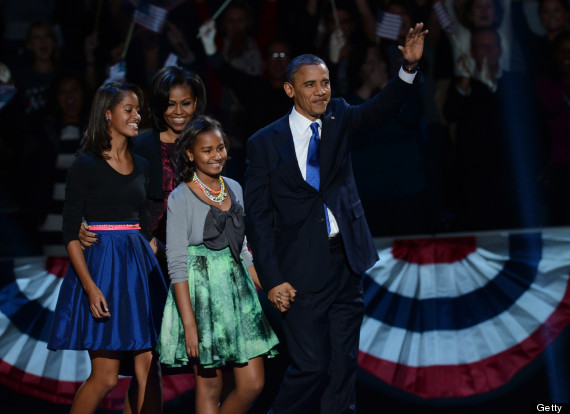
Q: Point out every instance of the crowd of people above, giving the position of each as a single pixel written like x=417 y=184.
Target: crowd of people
x=467 y=128
x=483 y=145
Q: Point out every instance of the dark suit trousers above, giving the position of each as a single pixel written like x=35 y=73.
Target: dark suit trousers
x=322 y=331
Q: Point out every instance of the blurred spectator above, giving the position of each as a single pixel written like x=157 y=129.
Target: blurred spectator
x=241 y=47
x=61 y=130
x=476 y=14
x=7 y=88
x=538 y=50
x=388 y=163
x=554 y=94
x=33 y=78
x=262 y=96
x=338 y=42
x=16 y=17
x=421 y=11
x=453 y=57
x=40 y=150
x=491 y=139
x=244 y=76
x=149 y=52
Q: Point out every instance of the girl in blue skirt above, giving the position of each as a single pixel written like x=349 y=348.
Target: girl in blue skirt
x=212 y=316
x=111 y=300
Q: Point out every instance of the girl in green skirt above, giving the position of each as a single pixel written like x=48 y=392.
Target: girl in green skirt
x=212 y=316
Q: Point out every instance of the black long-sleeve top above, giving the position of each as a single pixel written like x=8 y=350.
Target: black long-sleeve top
x=97 y=192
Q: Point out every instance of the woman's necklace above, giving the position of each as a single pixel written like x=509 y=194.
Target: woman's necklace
x=216 y=196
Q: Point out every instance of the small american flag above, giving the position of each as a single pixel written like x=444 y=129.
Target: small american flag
x=150 y=16
x=442 y=17
x=117 y=72
x=7 y=92
x=389 y=26
x=171 y=60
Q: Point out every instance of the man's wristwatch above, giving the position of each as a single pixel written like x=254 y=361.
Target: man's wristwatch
x=410 y=69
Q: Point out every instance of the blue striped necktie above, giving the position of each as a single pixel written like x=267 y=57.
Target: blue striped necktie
x=313 y=165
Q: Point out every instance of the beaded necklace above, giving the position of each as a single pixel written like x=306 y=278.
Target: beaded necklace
x=217 y=196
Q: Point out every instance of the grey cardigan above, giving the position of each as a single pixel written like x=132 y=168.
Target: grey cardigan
x=185 y=227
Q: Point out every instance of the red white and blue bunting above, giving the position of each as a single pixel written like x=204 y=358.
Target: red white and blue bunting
x=29 y=289
x=455 y=317
x=445 y=317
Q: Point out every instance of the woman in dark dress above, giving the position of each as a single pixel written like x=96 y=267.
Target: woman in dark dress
x=112 y=297
x=177 y=96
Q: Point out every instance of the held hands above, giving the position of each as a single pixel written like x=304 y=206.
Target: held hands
x=413 y=48
x=97 y=303
x=281 y=296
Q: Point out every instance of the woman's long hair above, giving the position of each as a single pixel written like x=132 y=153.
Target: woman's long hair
x=164 y=80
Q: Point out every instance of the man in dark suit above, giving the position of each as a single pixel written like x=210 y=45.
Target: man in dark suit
x=307 y=229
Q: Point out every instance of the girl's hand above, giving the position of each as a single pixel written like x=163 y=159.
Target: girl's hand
x=191 y=338
x=98 y=304
x=281 y=296
x=285 y=299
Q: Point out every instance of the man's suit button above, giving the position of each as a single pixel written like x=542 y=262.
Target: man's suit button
x=321 y=220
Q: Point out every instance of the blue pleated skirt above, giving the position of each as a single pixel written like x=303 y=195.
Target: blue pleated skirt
x=126 y=270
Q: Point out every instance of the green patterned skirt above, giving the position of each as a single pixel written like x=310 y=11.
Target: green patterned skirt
x=232 y=328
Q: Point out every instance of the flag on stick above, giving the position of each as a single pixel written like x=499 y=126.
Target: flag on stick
x=335 y=14
x=117 y=72
x=150 y=16
x=98 y=14
x=7 y=92
x=171 y=60
x=217 y=13
x=389 y=26
x=443 y=17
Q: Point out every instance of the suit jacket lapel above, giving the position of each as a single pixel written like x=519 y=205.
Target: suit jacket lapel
x=283 y=142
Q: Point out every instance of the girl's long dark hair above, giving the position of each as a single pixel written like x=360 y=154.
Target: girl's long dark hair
x=98 y=136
